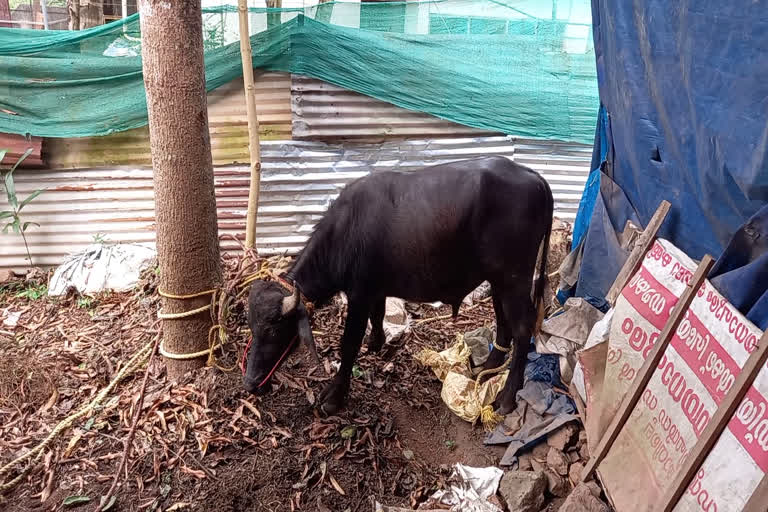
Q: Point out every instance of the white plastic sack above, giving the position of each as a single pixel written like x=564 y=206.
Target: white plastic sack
x=102 y=267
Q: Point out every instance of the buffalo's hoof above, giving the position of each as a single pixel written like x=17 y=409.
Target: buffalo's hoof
x=375 y=343
x=331 y=400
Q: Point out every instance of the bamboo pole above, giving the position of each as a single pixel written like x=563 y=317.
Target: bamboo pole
x=253 y=124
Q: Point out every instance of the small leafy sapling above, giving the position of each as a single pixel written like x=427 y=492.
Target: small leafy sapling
x=12 y=217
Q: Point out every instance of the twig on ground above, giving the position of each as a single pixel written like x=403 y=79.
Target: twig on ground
x=449 y=316
x=132 y=432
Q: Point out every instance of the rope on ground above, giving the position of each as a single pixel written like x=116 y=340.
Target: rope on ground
x=488 y=416
x=136 y=362
x=132 y=432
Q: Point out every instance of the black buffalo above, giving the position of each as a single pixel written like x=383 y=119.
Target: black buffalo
x=431 y=235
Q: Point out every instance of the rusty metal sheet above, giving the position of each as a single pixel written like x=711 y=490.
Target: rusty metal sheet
x=17 y=145
x=227 y=123
x=300 y=179
x=322 y=111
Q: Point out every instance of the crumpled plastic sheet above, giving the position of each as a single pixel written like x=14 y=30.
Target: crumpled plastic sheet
x=540 y=411
x=452 y=367
x=470 y=491
x=397 y=321
x=566 y=333
x=102 y=267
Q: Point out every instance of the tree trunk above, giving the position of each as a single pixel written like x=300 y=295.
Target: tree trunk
x=73 y=8
x=273 y=18
x=91 y=13
x=185 y=205
x=5 y=13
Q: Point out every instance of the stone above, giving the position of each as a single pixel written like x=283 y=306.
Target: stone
x=556 y=484
x=6 y=276
x=594 y=488
x=537 y=466
x=524 y=462
x=540 y=452
x=574 y=472
x=573 y=456
x=581 y=499
x=584 y=452
x=523 y=490
x=557 y=461
x=563 y=437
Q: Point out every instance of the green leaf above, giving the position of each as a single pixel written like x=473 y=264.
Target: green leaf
x=348 y=432
x=27 y=224
x=10 y=190
x=30 y=197
x=5 y=214
x=357 y=372
x=89 y=424
x=7 y=226
x=3 y=152
x=71 y=501
x=109 y=504
x=22 y=158
x=16 y=225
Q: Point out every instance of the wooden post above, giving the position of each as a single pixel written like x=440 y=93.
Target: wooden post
x=253 y=125
x=716 y=425
x=636 y=256
x=640 y=382
x=757 y=502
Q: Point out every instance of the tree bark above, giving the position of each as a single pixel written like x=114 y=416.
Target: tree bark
x=91 y=13
x=185 y=204
x=73 y=8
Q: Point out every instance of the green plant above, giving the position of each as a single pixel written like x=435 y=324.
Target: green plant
x=100 y=238
x=33 y=292
x=85 y=302
x=16 y=205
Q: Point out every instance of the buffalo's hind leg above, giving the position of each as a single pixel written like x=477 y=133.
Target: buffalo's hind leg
x=515 y=319
x=376 y=339
x=334 y=395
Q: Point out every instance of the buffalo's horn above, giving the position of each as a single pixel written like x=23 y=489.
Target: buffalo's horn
x=291 y=302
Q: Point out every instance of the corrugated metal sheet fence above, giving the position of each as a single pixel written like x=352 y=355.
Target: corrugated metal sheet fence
x=299 y=181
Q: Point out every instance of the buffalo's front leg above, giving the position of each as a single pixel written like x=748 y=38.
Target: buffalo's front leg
x=334 y=395
x=376 y=338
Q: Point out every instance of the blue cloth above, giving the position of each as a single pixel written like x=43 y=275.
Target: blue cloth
x=684 y=91
x=685 y=87
x=592 y=186
x=741 y=273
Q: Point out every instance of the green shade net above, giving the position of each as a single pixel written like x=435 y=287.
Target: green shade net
x=525 y=68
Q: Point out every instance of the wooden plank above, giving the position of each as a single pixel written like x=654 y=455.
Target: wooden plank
x=649 y=366
x=638 y=253
x=716 y=426
x=758 y=502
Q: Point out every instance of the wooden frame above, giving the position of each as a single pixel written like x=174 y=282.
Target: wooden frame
x=715 y=428
x=636 y=256
x=640 y=382
x=758 y=502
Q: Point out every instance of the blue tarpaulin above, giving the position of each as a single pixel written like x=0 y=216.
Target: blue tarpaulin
x=684 y=99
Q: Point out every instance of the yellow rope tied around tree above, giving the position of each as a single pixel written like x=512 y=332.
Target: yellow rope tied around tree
x=220 y=310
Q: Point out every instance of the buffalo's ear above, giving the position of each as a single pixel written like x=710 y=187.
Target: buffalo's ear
x=305 y=333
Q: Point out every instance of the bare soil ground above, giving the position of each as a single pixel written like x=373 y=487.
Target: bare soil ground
x=204 y=443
